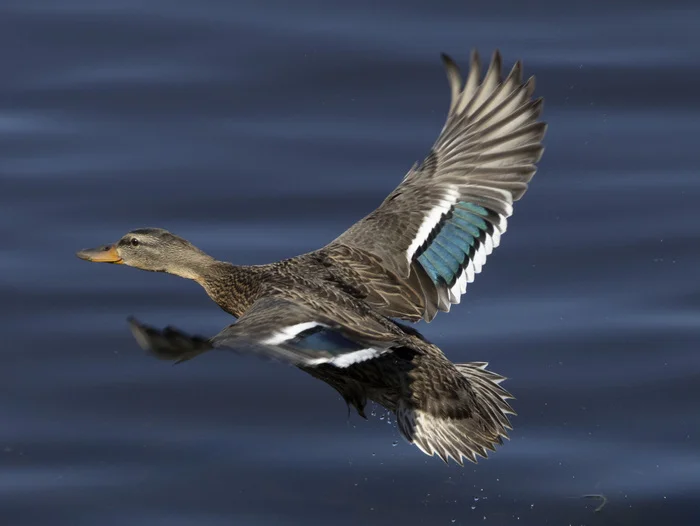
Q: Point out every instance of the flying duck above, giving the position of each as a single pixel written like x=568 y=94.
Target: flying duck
x=335 y=312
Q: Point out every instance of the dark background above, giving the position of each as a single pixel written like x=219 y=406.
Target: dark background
x=261 y=130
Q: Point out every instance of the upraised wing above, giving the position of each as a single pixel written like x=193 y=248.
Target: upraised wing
x=433 y=232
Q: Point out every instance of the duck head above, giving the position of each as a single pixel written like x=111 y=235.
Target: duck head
x=155 y=250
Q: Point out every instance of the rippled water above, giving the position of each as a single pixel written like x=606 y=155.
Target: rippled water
x=260 y=131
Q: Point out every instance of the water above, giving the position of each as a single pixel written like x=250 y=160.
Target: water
x=262 y=131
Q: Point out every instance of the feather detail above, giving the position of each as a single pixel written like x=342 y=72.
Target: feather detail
x=481 y=163
x=464 y=426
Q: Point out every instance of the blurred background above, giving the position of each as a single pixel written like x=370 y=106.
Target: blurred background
x=261 y=130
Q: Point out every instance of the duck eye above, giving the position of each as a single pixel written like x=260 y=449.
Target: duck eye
x=134 y=242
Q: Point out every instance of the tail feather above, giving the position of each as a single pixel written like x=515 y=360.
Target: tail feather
x=462 y=426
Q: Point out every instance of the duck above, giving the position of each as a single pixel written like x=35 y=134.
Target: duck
x=341 y=313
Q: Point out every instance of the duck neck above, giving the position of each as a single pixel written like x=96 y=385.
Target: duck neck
x=194 y=264
x=234 y=288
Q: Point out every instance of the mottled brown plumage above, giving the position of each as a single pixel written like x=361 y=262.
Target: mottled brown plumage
x=332 y=312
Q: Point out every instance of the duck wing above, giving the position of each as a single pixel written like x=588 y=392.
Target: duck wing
x=303 y=333
x=432 y=234
x=451 y=410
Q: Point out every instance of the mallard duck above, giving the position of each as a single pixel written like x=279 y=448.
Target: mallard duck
x=335 y=312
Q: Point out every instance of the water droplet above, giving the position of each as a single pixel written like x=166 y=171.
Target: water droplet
x=395 y=443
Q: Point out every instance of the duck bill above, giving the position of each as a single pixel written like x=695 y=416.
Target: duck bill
x=105 y=254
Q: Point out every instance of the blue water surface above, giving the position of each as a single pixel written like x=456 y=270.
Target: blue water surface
x=261 y=130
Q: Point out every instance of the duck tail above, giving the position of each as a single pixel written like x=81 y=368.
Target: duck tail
x=466 y=421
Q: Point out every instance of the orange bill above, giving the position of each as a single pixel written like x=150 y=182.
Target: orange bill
x=105 y=254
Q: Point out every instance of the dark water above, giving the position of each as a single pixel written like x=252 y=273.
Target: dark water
x=260 y=131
